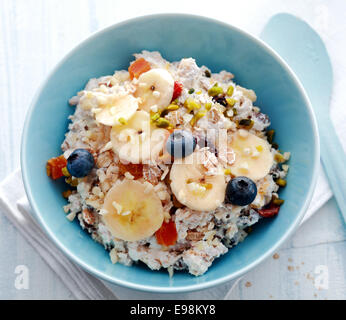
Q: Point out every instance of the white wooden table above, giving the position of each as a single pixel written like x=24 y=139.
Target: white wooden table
x=35 y=34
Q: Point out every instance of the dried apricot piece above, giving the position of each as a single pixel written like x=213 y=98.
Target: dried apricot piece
x=138 y=67
x=167 y=235
x=54 y=167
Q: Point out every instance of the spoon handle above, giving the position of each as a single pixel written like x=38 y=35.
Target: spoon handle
x=311 y=63
x=334 y=162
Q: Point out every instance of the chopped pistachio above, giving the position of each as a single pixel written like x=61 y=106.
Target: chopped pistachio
x=215 y=91
x=65 y=172
x=208 y=106
x=123 y=121
x=281 y=182
x=235 y=112
x=278 y=202
x=191 y=91
x=193 y=121
x=155 y=117
x=230 y=91
x=197 y=116
x=231 y=102
x=73 y=182
x=227 y=172
x=279 y=158
x=191 y=104
x=199 y=92
x=172 y=107
x=200 y=114
x=162 y=123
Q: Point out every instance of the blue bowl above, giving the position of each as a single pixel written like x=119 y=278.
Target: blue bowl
x=218 y=46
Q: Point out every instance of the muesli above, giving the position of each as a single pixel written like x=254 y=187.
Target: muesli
x=169 y=164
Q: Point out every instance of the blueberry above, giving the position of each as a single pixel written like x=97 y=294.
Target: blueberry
x=241 y=191
x=80 y=163
x=181 y=144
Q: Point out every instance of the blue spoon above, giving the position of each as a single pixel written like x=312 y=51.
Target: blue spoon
x=305 y=52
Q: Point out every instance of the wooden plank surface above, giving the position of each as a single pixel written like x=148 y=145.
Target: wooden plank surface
x=35 y=34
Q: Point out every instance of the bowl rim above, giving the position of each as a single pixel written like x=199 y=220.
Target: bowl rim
x=209 y=283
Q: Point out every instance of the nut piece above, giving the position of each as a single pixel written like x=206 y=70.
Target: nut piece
x=88 y=217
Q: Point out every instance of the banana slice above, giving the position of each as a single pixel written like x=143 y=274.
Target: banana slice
x=253 y=158
x=138 y=141
x=120 y=109
x=194 y=188
x=132 y=213
x=155 y=88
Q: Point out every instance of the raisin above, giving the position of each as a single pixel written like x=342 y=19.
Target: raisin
x=220 y=100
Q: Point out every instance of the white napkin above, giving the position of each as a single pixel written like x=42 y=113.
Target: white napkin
x=15 y=206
